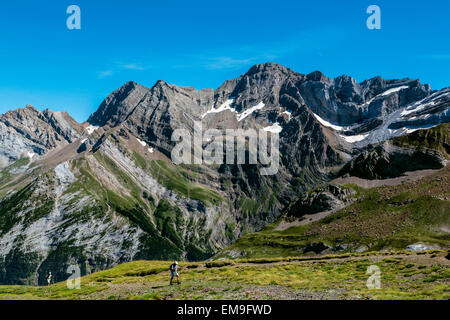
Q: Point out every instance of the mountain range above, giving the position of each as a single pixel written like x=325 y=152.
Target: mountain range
x=105 y=191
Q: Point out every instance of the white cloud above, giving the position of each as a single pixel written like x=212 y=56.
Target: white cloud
x=133 y=66
x=228 y=62
x=117 y=67
x=105 y=74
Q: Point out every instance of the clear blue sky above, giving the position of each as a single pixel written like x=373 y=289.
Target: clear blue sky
x=203 y=43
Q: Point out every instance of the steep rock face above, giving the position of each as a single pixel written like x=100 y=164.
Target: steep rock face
x=165 y=109
x=27 y=132
x=261 y=83
x=63 y=124
x=430 y=111
x=252 y=102
x=100 y=209
x=387 y=161
x=317 y=115
x=421 y=149
x=344 y=102
x=46 y=227
x=118 y=105
x=397 y=111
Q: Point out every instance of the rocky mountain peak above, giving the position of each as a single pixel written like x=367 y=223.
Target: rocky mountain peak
x=28 y=131
x=316 y=76
x=29 y=113
x=117 y=106
x=268 y=67
x=161 y=84
x=30 y=107
x=262 y=83
x=356 y=108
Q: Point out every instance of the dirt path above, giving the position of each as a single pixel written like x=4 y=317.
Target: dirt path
x=365 y=183
x=308 y=218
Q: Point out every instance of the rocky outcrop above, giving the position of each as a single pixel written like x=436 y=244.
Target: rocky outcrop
x=28 y=132
x=387 y=161
x=321 y=199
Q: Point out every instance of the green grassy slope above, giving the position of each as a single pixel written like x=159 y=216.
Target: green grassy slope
x=404 y=275
x=162 y=238
x=437 y=138
x=180 y=180
x=380 y=218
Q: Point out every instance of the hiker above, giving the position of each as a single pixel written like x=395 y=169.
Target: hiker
x=174 y=272
x=49 y=278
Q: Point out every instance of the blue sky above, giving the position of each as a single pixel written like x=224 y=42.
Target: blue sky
x=203 y=43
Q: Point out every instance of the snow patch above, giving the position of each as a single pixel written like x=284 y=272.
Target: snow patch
x=288 y=113
x=352 y=139
x=90 y=129
x=367 y=102
x=275 y=128
x=150 y=150
x=387 y=92
x=416 y=107
x=141 y=142
x=330 y=125
x=393 y=90
x=249 y=111
x=225 y=106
